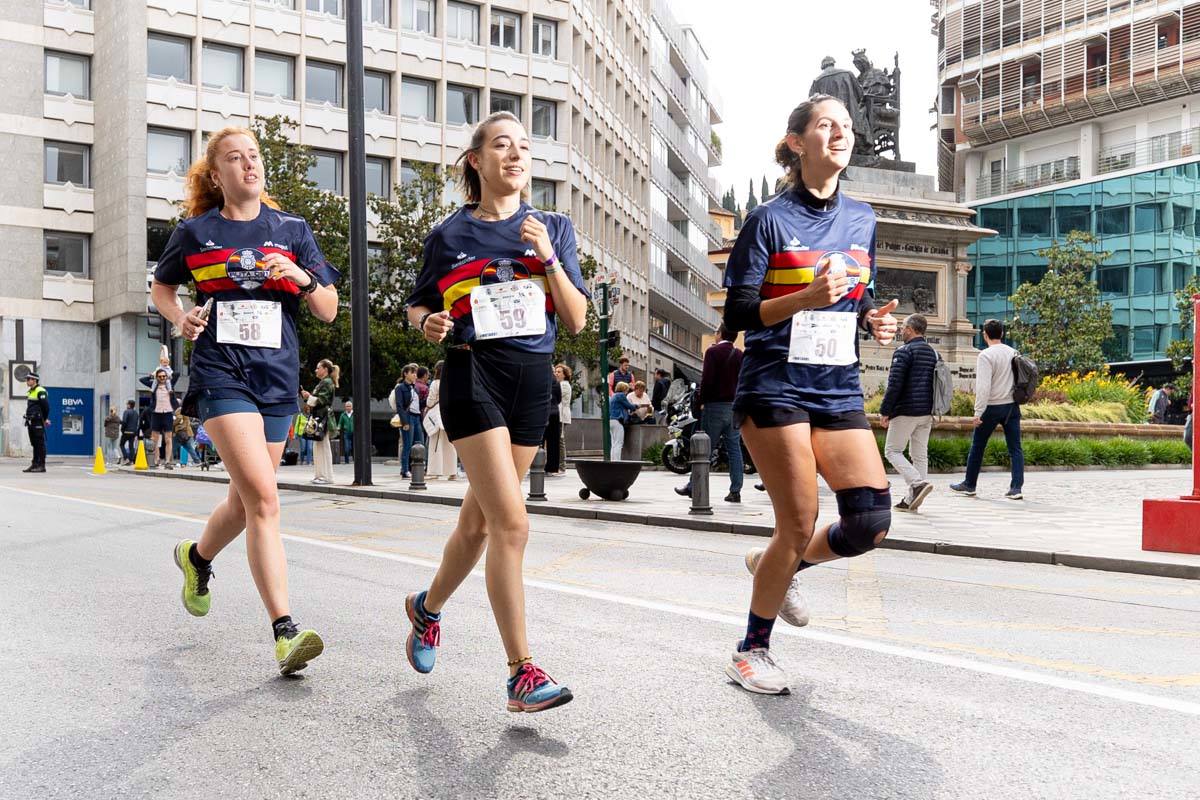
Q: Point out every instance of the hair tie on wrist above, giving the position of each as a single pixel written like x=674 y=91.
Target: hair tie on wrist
x=551 y=261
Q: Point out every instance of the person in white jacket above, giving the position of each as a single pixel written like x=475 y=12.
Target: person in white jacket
x=562 y=373
x=443 y=459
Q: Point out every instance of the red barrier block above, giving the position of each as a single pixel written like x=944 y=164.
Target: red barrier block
x=1171 y=526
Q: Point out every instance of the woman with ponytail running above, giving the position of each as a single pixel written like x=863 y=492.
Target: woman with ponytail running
x=253 y=267
x=800 y=283
x=496 y=274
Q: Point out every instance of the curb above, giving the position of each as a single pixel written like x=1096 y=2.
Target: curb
x=1159 y=569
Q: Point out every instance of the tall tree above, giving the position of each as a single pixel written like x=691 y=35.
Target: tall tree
x=728 y=202
x=751 y=201
x=1060 y=321
x=766 y=193
x=582 y=350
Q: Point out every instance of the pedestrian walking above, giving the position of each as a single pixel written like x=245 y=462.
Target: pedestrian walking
x=554 y=427
x=346 y=430
x=443 y=458
x=622 y=374
x=319 y=403
x=304 y=447
x=163 y=403
x=907 y=410
x=800 y=283
x=718 y=387
x=37 y=420
x=421 y=386
x=112 y=433
x=129 y=432
x=407 y=404
x=563 y=374
x=258 y=265
x=1161 y=404
x=185 y=436
x=620 y=411
x=994 y=405
x=495 y=274
x=658 y=396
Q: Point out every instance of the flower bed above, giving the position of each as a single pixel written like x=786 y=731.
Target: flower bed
x=951 y=453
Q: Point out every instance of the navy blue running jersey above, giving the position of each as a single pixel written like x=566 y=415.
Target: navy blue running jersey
x=778 y=251
x=463 y=252
x=224 y=258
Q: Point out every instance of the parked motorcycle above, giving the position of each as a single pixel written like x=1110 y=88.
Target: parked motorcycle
x=681 y=426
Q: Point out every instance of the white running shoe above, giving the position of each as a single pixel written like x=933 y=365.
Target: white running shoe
x=794 y=610
x=756 y=671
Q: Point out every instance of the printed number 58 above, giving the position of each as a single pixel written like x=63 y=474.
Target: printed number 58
x=249 y=332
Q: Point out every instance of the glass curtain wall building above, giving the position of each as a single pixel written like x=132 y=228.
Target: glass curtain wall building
x=1147 y=221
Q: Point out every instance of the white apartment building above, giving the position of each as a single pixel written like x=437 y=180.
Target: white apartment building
x=105 y=106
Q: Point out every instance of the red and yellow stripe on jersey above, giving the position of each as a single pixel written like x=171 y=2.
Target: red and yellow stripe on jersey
x=792 y=271
x=456 y=285
x=211 y=275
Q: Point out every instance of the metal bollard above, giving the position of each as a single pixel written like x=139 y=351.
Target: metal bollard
x=537 y=477
x=416 y=465
x=701 y=451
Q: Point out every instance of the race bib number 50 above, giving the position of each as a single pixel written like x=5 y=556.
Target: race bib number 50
x=250 y=323
x=823 y=337
x=503 y=310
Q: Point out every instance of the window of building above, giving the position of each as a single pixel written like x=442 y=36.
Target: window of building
x=158 y=233
x=995 y=280
x=948 y=97
x=87 y=4
x=1147 y=217
x=545 y=37
x=379 y=176
x=332 y=7
x=1149 y=278
x=506 y=102
x=1073 y=218
x=1181 y=274
x=1034 y=221
x=66 y=254
x=1113 y=281
x=168 y=151
x=545 y=118
x=326 y=170
x=274 y=74
x=323 y=83
x=377 y=91
x=169 y=57
x=68 y=162
x=1168 y=32
x=462 y=105
x=1181 y=218
x=544 y=194
x=418 y=99
x=105 y=345
x=377 y=12
x=998 y=219
x=1031 y=273
x=506 y=30
x=462 y=22
x=222 y=66
x=419 y=16
x=68 y=73
x=1145 y=339
x=1112 y=221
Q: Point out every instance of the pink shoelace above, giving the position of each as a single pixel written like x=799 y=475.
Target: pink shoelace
x=432 y=637
x=530 y=678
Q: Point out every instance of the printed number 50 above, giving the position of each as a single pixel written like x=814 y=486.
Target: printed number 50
x=826 y=347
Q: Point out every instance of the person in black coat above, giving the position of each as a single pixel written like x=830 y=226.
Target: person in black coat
x=554 y=430
x=907 y=410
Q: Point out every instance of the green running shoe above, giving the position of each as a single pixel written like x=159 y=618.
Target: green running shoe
x=196 y=597
x=295 y=648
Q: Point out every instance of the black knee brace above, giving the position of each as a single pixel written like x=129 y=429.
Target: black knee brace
x=864 y=514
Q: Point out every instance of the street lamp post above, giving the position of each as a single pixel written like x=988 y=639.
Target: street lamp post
x=360 y=344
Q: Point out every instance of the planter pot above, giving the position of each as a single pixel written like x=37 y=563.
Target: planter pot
x=608 y=480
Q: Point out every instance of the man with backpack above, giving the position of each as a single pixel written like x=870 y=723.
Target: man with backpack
x=908 y=409
x=1002 y=382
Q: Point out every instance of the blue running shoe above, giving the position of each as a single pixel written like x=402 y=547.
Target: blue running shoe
x=532 y=690
x=425 y=636
x=963 y=489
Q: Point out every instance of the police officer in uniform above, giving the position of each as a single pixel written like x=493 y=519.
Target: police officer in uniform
x=37 y=417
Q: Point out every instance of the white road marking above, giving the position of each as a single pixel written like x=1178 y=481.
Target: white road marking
x=1012 y=673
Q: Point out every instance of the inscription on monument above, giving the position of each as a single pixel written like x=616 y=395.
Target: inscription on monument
x=915 y=247
x=915 y=289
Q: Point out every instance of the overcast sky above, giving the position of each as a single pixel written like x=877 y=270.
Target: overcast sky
x=763 y=55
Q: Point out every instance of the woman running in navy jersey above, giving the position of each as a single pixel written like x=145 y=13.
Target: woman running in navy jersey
x=496 y=273
x=256 y=264
x=800 y=284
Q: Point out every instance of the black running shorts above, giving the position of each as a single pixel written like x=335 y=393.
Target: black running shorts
x=496 y=386
x=770 y=417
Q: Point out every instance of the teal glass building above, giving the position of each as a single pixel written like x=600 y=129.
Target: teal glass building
x=1146 y=220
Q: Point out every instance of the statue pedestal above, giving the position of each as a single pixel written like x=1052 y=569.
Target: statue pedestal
x=921 y=245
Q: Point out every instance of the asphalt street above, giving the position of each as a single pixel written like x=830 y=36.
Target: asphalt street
x=921 y=676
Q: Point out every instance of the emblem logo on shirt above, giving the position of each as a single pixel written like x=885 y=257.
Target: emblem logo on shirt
x=461 y=256
x=209 y=243
x=530 y=252
x=793 y=246
x=503 y=270
x=837 y=261
x=246 y=268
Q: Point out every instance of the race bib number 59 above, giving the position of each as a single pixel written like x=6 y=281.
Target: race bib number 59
x=503 y=310
x=823 y=337
x=250 y=323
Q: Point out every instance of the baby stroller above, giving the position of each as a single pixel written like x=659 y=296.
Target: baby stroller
x=208 y=452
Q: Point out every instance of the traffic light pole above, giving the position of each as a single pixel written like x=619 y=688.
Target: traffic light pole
x=360 y=337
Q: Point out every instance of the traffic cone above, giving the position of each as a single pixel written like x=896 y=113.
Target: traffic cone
x=98 y=468
x=140 y=461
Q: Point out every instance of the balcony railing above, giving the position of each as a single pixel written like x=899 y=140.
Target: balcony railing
x=696 y=260
x=677 y=139
x=696 y=115
x=1027 y=177
x=696 y=306
x=1145 y=152
x=683 y=197
x=693 y=59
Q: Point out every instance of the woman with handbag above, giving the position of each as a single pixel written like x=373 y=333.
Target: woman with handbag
x=443 y=458
x=406 y=403
x=562 y=373
x=320 y=407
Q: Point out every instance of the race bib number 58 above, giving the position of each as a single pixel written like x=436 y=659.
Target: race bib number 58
x=250 y=323
x=503 y=310
x=823 y=337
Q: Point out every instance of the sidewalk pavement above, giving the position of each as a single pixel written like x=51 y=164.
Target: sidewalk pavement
x=1089 y=519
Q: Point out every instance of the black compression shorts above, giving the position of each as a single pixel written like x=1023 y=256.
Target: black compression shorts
x=494 y=386
x=770 y=417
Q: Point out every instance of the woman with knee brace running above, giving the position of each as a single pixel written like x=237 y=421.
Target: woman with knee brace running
x=496 y=274
x=800 y=284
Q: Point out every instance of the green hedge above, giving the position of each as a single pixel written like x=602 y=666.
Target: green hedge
x=949 y=454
